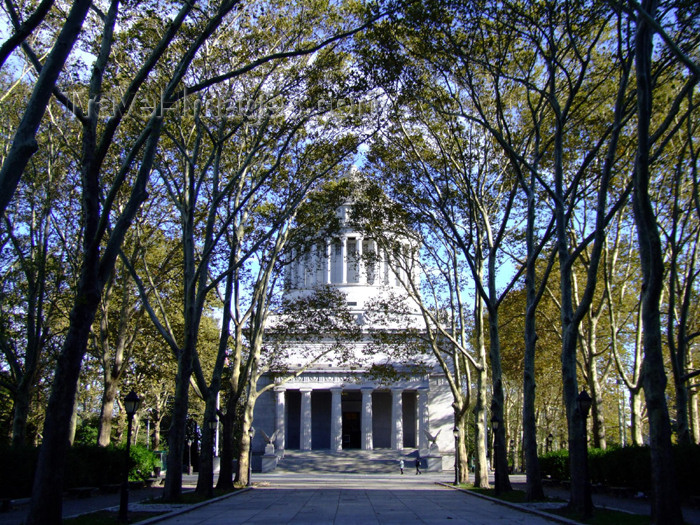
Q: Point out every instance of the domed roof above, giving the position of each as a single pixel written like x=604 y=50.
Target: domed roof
x=351 y=261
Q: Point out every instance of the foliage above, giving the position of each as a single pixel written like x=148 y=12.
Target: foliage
x=555 y=464
x=86 y=466
x=627 y=467
x=86 y=433
x=143 y=462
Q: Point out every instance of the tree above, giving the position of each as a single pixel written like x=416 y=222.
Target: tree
x=24 y=143
x=104 y=229
x=34 y=281
x=619 y=268
x=665 y=506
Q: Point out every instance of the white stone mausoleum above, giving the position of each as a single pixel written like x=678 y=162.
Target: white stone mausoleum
x=335 y=407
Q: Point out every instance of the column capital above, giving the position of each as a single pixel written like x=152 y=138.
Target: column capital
x=397 y=389
x=367 y=390
x=305 y=389
x=336 y=390
x=280 y=388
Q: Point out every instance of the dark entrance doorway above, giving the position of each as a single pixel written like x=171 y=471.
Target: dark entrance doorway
x=351 y=430
x=351 y=406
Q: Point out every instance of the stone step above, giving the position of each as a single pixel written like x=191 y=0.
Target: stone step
x=346 y=461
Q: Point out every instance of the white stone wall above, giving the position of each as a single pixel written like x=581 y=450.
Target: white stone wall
x=442 y=418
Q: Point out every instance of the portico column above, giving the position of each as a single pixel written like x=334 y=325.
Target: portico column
x=336 y=419
x=396 y=418
x=329 y=263
x=366 y=421
x=422 y=418
x=279 y=419
x=344 y=259
x=305 y=418
x=361 y=275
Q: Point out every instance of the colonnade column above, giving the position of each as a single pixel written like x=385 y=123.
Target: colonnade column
x=336 y=419
x=422 y=418
x=279 y=419
x=361 y=274
x=329 y=262
x=396 y=418
x=366 y=421
x=344 y=260
x=305 y=418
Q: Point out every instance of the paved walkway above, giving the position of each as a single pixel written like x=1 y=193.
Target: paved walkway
x=344 y=499
x=354 y=499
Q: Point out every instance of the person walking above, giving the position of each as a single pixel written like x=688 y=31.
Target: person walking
x=418 y=466
x=401 y=465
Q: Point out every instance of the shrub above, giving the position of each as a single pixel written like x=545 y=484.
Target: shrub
x=555 y=464
x=86 y=433
x=17 y=476
x=86 y=466
x=142 y=463
x=628 y=467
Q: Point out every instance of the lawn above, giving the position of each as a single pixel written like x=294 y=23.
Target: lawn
x=600 y=516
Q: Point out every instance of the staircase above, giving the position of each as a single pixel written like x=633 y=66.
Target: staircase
x=345 y=462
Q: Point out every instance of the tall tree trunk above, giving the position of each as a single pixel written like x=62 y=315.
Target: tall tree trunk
x=47 y=493
x=599 y=440
x=245 y=451
x=104 y=431
x=461 y=450
x=636 y=419
x=534 y=490
x=22 y=398
x=682 y=423
x=73 y=422
x=172 y=490
x=665 y=507
x=205 y=480
x=694 y=416
x=481 y=469
x=227 y=424
x=497 y=404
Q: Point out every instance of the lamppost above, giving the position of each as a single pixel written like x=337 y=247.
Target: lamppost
x=131 y=405
x=251 y=433
x=455 y=433
x=584 y=402
x=495 y=422
x=550 y=440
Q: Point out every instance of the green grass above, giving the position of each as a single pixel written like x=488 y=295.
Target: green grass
x=192 y=498
x=605 y=517
x=512 y=496
x=107 y=517
x=600 y=516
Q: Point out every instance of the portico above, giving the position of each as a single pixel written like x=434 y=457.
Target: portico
x=349 y=417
